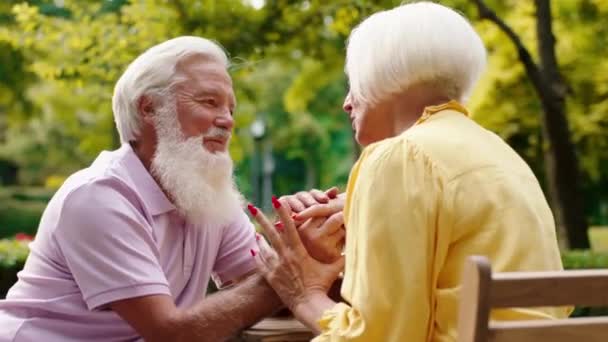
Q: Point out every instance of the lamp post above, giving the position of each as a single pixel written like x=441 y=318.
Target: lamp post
x=267 y=167
x=262 y=165
x=258 y=130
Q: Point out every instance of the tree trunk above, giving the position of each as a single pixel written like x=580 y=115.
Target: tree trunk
x=561 y=163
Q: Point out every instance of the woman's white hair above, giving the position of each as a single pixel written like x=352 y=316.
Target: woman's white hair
x=415 y=43
x=152 y=73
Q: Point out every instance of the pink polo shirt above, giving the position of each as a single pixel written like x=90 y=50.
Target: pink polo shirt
x=108 y=234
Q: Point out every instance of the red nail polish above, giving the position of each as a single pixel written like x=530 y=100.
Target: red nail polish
x=257 y=237
x=280 y=226
x=275 y=202
x=294 y=217
x=252 y=209
x=252 y=252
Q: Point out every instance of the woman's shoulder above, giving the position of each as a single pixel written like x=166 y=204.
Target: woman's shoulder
x=395 y=152
x=383 y=149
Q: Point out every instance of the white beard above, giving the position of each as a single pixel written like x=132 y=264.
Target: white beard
x=199 y=182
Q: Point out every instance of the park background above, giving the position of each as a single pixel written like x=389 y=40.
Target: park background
x=545 y=92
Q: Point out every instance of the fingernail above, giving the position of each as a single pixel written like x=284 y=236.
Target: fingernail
x=275 y=202
x=294 y=216
x=252 y=252
x=279 y=225
x=252 y=209
x=257 y=237
x=332 y=195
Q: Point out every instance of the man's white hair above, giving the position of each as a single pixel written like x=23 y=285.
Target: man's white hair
x=152 y=73
x=412 y=44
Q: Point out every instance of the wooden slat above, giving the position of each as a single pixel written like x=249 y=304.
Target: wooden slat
x=526 y=289
x=565 y=330
x=472 y=324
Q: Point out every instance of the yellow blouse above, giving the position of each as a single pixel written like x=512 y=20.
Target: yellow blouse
x=416 y=206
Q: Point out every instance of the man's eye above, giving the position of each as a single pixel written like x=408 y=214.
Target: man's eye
x=210 y=102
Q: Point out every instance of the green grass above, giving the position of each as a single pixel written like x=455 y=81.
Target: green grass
x=598 y=237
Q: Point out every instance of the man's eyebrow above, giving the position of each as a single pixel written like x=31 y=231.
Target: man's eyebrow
x=207 y=91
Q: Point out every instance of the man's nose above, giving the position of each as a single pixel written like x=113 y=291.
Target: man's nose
x=225 y=121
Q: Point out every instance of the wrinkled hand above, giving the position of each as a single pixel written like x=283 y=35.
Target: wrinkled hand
x=289 y=269
x=305 y=199
x=323 y=237
x=322 y=209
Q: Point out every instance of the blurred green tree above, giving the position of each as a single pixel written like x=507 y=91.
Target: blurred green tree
x=60 y=64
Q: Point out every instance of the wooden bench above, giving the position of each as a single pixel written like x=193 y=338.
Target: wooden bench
x=482 y=291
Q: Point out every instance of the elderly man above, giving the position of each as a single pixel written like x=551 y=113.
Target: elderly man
x=127 y=246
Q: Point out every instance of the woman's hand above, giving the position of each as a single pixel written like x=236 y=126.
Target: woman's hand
x=321 y=228
x=323 y=237
x=297 y=277
x=326 y=209
x=305 y=199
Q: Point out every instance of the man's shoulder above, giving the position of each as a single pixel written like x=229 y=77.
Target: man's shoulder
x=102 y=186
x=86 y=202
x=108 y=166
x=98 y=190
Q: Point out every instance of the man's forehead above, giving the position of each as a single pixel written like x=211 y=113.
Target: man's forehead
x=202 y=66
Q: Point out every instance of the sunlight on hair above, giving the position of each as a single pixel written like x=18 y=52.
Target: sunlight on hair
x=395 y=49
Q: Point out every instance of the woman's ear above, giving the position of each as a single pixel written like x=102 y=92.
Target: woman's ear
x=145 y=108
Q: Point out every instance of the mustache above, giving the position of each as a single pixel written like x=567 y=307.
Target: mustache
x=217 y=133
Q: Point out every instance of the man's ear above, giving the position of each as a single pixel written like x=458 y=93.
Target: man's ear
x=145 y=108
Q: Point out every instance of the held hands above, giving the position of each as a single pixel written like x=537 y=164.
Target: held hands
x=323 y=237
x=289 y=268
x=319 y=221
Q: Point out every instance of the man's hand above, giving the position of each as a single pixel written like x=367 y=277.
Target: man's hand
x=323 y=238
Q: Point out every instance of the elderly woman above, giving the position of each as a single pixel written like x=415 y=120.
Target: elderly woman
x=430 y=188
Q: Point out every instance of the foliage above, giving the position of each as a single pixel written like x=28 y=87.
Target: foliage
x=72 y=93
x=505 y=101
x=74 y=120
x=60 y=64
x=21 y=209
x=19 y=216
x=13 y=253
x=583 y=259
